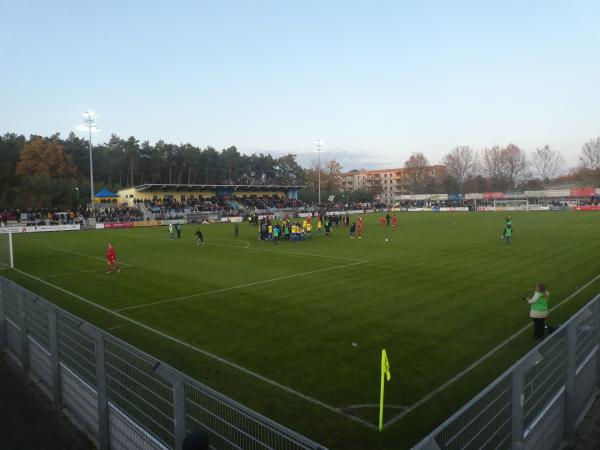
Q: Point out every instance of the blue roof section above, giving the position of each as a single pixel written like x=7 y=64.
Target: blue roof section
x=105 y=193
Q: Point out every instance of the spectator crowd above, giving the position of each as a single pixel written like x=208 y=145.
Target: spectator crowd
x=43 y=216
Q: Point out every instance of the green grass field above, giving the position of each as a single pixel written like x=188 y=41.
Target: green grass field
x=441 y=293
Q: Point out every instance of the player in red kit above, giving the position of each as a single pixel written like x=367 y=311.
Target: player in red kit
x=359 y=228
x=111 y=259
x=394 y=220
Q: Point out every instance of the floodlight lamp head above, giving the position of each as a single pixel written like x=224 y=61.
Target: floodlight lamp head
x=319 y=144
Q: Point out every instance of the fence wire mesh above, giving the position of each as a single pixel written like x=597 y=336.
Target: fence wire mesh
x=11 y=303
x=547 y=377
x=76 y=349
x=587 y=335
x=234 y=427
x=37 y=320
x=133 y=387
x=485 y=424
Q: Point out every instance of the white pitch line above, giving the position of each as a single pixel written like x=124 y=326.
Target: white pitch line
x=462 y=373
x=83 y=254
x=60 y=274
x=206 y=353
x=246 y=243
x=239 y=286
x=248 y=247
x=372 y=405
x=297 y=253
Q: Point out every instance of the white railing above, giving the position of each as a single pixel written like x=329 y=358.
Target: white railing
x=539 y=401
x=124 y=397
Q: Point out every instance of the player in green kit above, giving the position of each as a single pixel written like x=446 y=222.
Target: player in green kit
x=507 y=233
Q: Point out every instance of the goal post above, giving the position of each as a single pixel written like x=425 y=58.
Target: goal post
x=6 y=250
x=511 y=205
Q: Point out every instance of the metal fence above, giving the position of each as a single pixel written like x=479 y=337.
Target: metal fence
x=539 y=401
x=123 y=396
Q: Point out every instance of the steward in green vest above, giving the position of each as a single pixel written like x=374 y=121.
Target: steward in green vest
x=539 y=309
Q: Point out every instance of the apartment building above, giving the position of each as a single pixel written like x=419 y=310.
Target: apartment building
x=388 y=184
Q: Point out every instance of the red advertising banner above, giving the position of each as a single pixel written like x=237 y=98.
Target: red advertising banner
x=583 y=192
x=493 y=195
x=119 y=225
x=587 y=208
x=147 y=223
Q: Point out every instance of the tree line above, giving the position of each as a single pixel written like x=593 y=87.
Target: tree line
x=51 y=171
x=502 y=169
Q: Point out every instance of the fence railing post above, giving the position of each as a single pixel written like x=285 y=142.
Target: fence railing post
x=23 y=330
x=518 y=397
x=101 y=387
x=517 y=407
x=570 y=390
x=597 y=329
x=3 y=294
x=176 y=380
x=54 y=356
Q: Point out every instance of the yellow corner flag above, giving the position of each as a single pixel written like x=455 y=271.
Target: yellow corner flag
x=385 y=372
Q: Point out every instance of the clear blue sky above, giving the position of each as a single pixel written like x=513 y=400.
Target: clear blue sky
x=375 y=80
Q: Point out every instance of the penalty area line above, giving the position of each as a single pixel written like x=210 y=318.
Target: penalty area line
x=480 y=360
x=206 y=353
x=239 y=286
x=83 y=254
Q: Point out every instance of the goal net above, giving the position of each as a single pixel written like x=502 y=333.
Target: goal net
x=6 y=250
x=511 y=205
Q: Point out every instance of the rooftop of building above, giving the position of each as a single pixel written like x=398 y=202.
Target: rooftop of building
x=213 y=187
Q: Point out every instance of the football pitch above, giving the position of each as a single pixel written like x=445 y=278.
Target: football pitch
x=295 y=330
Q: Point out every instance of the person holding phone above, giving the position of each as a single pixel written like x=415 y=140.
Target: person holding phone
x=539 y=309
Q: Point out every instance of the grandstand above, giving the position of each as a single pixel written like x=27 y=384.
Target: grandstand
x=199 y=192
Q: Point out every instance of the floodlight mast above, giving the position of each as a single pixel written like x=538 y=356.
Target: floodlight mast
x=319 y=149
x=90 y=123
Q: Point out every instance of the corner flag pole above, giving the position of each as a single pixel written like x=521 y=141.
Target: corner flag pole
x=385 y=373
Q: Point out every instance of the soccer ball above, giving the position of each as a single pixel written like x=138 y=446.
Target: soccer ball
x=386 y=239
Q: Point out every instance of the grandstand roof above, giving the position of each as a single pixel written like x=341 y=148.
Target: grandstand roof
x=212 y=187
x=105 y=193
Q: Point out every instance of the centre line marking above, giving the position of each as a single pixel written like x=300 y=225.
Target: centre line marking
x=240 y=286
x=87 y=256
x=222 y=360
